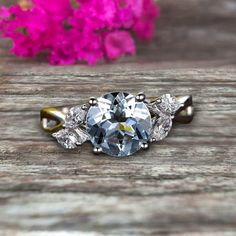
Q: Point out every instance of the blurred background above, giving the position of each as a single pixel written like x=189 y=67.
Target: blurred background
x=199 y=31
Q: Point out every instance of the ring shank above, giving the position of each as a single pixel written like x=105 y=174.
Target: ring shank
x=185 y=114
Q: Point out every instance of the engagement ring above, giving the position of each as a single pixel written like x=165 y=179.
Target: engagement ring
x=119 y=123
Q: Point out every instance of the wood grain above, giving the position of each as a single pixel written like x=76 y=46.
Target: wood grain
x=184 y=185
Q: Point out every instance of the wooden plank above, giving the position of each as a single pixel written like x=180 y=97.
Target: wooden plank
x=184 y=185
x=57 y=216
x=192 y=171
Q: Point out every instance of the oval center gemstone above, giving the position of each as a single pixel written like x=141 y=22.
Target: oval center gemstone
x=119 y=124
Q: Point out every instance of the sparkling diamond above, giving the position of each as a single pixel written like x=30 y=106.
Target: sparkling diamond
x=118 y=124
x=71 y=138
x=75 y=117
x=161 y=128
x=166 y=104
x=66 y=138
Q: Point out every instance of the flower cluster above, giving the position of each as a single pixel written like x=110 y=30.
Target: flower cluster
x=77 y=30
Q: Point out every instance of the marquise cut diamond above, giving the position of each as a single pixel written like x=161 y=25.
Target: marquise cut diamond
x=75 y=117
x=161 y=128
x=71 y=138
x=164 y=109
x=67 y=138
x=166 y=104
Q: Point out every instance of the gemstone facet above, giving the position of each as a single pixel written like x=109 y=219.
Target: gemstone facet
x=119 y=124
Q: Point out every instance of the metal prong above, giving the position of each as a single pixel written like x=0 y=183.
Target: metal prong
x=153 y=140
x=97 y=150
x=93 y=101
x=141 y=97
x=145 y=146
x=84 y=107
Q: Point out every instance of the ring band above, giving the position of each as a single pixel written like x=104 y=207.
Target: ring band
x=118 y=124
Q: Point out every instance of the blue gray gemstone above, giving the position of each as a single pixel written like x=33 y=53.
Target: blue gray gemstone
x=119 y=124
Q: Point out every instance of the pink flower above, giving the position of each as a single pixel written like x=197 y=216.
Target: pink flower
x=119 y=43
x=78 y=30
x=89 y=47
x=63 y=50
x=145 y=25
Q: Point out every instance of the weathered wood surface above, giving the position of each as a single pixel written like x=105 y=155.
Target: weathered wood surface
x=185 y=185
